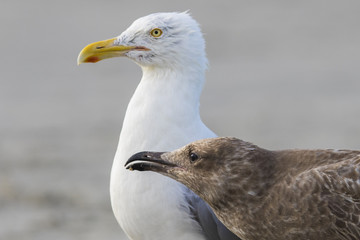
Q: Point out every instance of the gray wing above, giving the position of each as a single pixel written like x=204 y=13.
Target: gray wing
x=211 y=226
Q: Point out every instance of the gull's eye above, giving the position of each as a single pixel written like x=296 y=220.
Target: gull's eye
x=193 y=157
x=156 y=32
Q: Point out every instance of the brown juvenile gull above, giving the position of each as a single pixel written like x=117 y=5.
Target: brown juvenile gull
x=262 y=194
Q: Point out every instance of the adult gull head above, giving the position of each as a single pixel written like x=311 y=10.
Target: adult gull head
x=165 y=40
x=163 y=114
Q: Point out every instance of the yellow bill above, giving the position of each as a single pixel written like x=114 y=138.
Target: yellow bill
x=98 y=51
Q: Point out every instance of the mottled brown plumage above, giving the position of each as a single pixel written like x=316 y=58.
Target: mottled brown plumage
x=262 y=194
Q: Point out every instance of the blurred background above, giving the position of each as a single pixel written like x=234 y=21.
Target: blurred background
x=282 y=74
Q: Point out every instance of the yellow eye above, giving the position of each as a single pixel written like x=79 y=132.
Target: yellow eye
x=156 y=32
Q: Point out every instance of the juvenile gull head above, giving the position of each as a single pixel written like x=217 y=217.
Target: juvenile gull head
x=262 y=194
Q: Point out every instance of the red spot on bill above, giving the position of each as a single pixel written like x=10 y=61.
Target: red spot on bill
x=92 y=59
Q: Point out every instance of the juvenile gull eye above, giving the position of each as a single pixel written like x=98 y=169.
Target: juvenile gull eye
x=193 y=157
x=156 y=32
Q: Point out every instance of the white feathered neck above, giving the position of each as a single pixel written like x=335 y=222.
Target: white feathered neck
x=162 y=115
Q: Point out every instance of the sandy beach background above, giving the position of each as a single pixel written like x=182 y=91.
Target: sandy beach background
x=282 y=74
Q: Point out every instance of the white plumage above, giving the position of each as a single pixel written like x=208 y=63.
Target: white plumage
x=163 y=115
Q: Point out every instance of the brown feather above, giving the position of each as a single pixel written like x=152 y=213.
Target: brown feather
x=261 y=194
